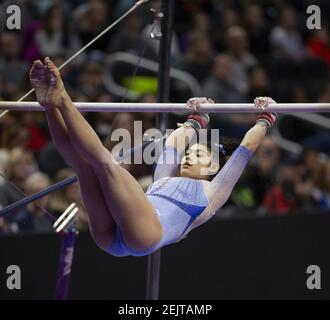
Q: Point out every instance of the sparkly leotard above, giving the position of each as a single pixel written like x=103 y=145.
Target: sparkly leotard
x=181 y=203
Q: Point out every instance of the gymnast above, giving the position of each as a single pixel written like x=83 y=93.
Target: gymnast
x=123 y=219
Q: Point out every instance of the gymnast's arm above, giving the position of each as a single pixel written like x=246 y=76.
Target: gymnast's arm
x=179 y=139
x=223 y=183
x=175 y=145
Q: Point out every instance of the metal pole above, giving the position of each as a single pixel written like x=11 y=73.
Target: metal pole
x=174 y=107
x=23 y=202
x=65 y=263
x=153 y=272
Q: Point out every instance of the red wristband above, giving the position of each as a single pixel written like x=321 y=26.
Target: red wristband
x=200 y=119
x=270 y=117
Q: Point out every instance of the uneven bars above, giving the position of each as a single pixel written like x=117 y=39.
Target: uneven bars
x=174 y=107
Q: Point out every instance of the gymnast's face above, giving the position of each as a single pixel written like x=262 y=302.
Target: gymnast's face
x=198 y=164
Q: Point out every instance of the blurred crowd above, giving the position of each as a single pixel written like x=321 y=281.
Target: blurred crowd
x=235 y=49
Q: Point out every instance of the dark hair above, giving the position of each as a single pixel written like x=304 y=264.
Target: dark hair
x=225 y=148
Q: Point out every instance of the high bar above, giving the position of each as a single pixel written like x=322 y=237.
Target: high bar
x=174 y=107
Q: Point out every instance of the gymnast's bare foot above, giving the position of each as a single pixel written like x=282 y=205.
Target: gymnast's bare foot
x=46 y=80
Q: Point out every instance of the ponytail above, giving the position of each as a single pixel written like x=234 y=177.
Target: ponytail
x=226 y=146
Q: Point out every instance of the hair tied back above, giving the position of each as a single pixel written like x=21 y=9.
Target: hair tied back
x=222 y=149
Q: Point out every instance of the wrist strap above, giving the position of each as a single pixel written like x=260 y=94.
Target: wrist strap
x=191 y=123
x=264 y=123
x=267 y=120
x=202 y=118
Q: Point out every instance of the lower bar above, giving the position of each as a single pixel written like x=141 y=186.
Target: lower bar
x=173 y=107
x=23 y=202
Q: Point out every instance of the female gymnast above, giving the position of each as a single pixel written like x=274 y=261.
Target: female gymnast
x=123 y=219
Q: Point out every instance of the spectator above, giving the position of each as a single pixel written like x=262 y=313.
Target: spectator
x=17 y=136
x=285 y=38
x=227 y=19
x=56 y=38
x=319 y=45
x=34 y=216
x=94 y=16
x=9 y=126
x=258 y=83
x=201 y=23
x=220 y=86
x=30 y=49
x=323 y=181
x=280 y=199
x=258 y=31
x=50 y=161
x=91 y=81
x=312 y=163
x=198 y=58
x=70 y=194
x=37 y=137
x=259 y=177
x=20 y=165
x=122 y=6
x=129 y=38
x=4 y=227
x=237 y=45
x=14 y=69
x=308 y=197
x=296 y=192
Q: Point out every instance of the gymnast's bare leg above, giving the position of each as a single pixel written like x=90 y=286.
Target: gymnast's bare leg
x=125 y=199
x=100 y=221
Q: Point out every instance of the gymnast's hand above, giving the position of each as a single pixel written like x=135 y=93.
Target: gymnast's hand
x=262 y=103
x=201 y=119
x=46 y=80
x=265 y=118
x=195 y=103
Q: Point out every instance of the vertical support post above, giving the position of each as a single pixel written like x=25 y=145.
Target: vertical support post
x=165 y=59
x=153 y=272
x=65 y=263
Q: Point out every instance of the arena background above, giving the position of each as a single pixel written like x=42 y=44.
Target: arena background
x=276 y=223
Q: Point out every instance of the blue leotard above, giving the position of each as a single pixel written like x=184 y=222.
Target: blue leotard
x=181 y=203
